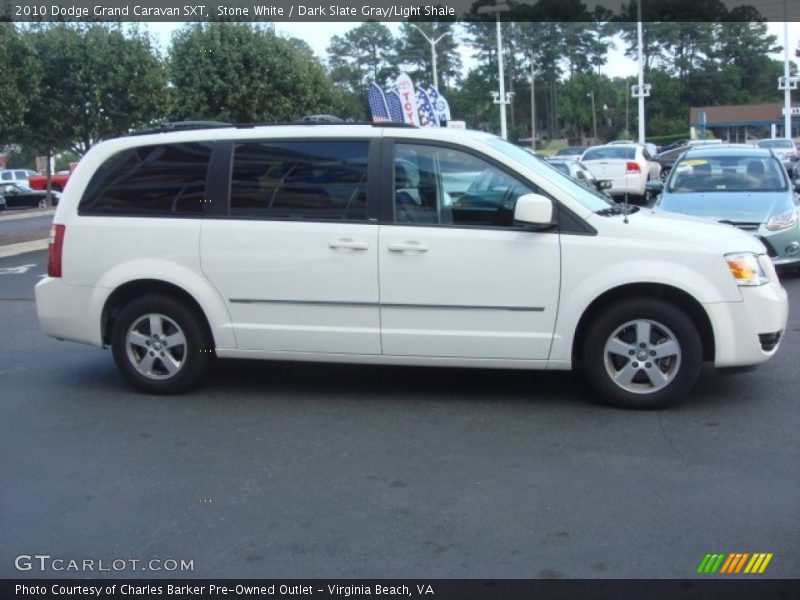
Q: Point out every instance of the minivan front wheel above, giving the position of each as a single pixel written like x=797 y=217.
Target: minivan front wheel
x=642 y=353
x=159 y=345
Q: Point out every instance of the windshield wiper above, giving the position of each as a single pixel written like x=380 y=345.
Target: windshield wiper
x=617 y=210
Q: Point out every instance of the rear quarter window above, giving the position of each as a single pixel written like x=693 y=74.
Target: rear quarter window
x=159 y=180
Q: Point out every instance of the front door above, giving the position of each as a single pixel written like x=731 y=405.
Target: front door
x=457 y=278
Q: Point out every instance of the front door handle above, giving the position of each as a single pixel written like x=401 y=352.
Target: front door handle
x=410 y=246
x=348 y=244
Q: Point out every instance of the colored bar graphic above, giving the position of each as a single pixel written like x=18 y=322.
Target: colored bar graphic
x=715 y=565
x=741 y=562
x=765 y=563
x=729 y=564
x=754 y=563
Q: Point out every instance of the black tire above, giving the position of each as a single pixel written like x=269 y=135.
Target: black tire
x=654 y=382
x=171 y=317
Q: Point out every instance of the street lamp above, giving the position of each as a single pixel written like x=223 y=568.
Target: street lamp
x=433 y=43
x=594 y=116
x=500 y=98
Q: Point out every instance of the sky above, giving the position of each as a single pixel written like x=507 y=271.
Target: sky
x=318 y=35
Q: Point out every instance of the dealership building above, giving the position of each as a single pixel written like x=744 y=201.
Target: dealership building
x=743 y=123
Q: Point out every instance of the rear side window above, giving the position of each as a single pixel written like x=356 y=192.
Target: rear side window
x=167 y=179
x=315 y=180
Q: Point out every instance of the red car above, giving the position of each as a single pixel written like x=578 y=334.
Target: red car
x=59 y=181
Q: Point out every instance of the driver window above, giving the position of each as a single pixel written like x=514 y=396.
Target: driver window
x=448 y=187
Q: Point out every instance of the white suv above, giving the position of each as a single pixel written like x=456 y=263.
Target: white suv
x=391 y=245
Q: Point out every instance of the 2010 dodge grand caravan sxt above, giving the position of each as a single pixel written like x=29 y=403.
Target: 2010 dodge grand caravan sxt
x=402 y=246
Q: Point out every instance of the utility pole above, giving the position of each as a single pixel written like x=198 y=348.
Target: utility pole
x=594 y=116
x=641 y=90
x=499 y=98
x=533 y=106
x=786 y=83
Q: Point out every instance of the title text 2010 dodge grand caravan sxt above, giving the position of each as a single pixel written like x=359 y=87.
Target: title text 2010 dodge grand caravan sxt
x=401 y=246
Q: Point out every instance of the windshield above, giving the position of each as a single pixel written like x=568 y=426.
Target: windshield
x=591 y=199
x=740 y=173
x=604 y=152
x=776 y=144
x=570 y=151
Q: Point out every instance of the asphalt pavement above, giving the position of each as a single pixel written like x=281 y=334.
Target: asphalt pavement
x=274 y=470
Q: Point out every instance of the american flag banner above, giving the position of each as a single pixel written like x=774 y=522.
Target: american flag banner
x=440 y=105
x=395 y=106
x=427 y=117
x=377 y=104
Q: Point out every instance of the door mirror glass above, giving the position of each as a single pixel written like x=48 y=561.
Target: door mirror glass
x=534 y=209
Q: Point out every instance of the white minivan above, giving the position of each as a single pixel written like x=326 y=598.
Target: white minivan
x=392 y=245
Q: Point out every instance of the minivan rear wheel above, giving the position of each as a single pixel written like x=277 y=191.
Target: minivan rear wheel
x=160 y=345
x=642 y=354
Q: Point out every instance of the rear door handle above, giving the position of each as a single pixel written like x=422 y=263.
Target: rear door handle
x=348 y=244
x=410 y=246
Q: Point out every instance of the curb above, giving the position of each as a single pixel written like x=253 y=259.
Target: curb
x=27 y=215
x=23 y=247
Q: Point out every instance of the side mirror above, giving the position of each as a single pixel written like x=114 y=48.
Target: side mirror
x=797 y=185
x=654 y=187
x=534 y=209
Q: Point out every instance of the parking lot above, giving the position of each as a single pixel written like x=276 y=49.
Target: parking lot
x=294 y=470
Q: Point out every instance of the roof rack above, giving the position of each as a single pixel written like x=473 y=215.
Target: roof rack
x=182 y=126
x=172 y=126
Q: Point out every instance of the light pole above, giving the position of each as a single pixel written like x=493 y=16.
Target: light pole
x=533 y=107
x=433 y=43
x=786 y=83
x=642 y=90
x=594 y=116
x=500 y=98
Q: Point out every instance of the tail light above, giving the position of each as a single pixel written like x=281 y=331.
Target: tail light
x=632 y=167
x=55 y=250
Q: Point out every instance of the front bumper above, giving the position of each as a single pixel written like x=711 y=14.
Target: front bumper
x=748 y=332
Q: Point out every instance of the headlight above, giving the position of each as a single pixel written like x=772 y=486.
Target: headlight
x=746 y=268
x=783 y=220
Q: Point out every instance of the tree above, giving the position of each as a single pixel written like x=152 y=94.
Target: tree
x=241 y=73
x=361 y=56
x=414 y=52
x=19 y=77
x=97 y=81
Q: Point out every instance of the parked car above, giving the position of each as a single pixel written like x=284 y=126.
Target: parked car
x=784 y=149
x=17 y=176
x=651 y=148
x=577 y=170
x=570 y=152
x=17 y=195
x=265 y=242
x=628 y=166
x=667 y=158
x=744 y=187
x=58 y=181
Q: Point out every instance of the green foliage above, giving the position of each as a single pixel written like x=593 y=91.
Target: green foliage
x=18 y=82
x=363 y=55
x=97 y=81
x=240 y=72
x=414 y=53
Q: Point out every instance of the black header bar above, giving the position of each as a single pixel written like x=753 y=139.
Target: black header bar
x=389 y=10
